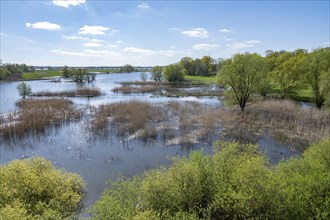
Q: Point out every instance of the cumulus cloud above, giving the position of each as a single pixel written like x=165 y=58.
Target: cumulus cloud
x=71 y=53
x=119 y=41
x=43 y=25
x=68 y=3
x=112 y=46
x=143 y=5
x=75 y=38
x=140 y=51
x=93 y=30
x=101 y=52
x=205 y=46
x=224 y=30
x=253 y=42
x=196 y=32
x=227 y=39
x=92 y=44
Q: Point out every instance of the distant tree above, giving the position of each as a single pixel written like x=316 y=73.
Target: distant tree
x=143 y=76
x=127 y=68
x=210 y=65
x=24 y=89
x=200 y=68
x=189 y=64
x=316 y=70
x=285 y=70
x=4 y=73
x=240 y=75
x=174 y=73
x=157 y=73
x=66 y=72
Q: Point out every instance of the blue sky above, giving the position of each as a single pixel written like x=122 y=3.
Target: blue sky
x=93 y=33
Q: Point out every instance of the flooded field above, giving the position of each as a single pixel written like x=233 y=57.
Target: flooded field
x=125 y=134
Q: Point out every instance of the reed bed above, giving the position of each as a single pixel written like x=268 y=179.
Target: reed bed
x=140 y=89
x=190 y=122
x=82 y=92
x=36 y=116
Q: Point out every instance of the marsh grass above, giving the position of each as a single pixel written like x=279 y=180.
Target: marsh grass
x=82 y=92
x=36 y=116
x=190 y=122
x=140 y=89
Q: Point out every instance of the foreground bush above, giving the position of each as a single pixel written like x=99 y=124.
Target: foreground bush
x=35 y=189
x=237 y=182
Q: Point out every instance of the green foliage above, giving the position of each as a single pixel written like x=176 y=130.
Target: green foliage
x=4 y=73
x=143 y=76
x=157 y=73
x=24 y=89
x=316 y=69
x=237 y=182
x=206 y=66
x=174 y=73
x=241 y=74
x=207 y=80
x=35 y=189
x=127 y=69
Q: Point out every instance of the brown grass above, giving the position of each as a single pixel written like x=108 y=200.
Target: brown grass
x=82 y=92
x=190 y=122
x=140 y=89
x=35 y=116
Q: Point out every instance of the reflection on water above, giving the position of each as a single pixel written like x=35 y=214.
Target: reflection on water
x=76 y=149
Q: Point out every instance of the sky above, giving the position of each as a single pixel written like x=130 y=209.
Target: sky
x=148 y=33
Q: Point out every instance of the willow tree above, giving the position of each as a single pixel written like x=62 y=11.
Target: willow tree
x=240 y=75
x=24 y=89
x=316 y=69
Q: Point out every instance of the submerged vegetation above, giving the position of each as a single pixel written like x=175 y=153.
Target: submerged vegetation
x=237 y=182
x=35 y=116
x=35 y=189
x=178 y=123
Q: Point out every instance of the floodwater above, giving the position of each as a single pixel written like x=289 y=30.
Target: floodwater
x=97 y=160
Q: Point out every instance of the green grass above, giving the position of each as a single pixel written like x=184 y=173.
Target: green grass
x=40 y=74
x=207 y=80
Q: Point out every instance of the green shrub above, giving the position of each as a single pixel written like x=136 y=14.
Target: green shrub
x=35 y=189
x=237 y=182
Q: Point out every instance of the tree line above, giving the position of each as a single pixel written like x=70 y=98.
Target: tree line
x=13 y=70
x=281 y=72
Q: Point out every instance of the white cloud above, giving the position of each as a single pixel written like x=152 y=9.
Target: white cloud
x=92 y=44
x=253 y=42
x=93 y=30
x=68 y=3
x=143 y=52
x=112 y=46
x=94 y=40
x=143 y=5
x=101 y=52
x=63 y=52
x=43 y=25
x=205 y=46
x=174 y=29
x=196 y=32
x=119 y=41
x=227 y=39
x=238 y=45
x=224 y=30
x=172 y=47
x=75 y=38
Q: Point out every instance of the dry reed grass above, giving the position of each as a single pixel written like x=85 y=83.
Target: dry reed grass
x=82 y=92
x=35 y=116
x=190 y=122
x=140 y=89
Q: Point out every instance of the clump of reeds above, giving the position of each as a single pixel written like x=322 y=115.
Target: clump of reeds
x=35 y=116
x=290 y=119
x=127 y=117
x=82 y=92
x=140 y=89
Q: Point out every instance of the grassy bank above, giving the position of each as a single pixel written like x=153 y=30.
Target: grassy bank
x=83 y=92
x=40 y=74
x=204 y=80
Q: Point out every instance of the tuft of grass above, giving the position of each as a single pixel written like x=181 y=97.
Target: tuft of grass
x=140 y=89
x=35 y=116
x=82 y=92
